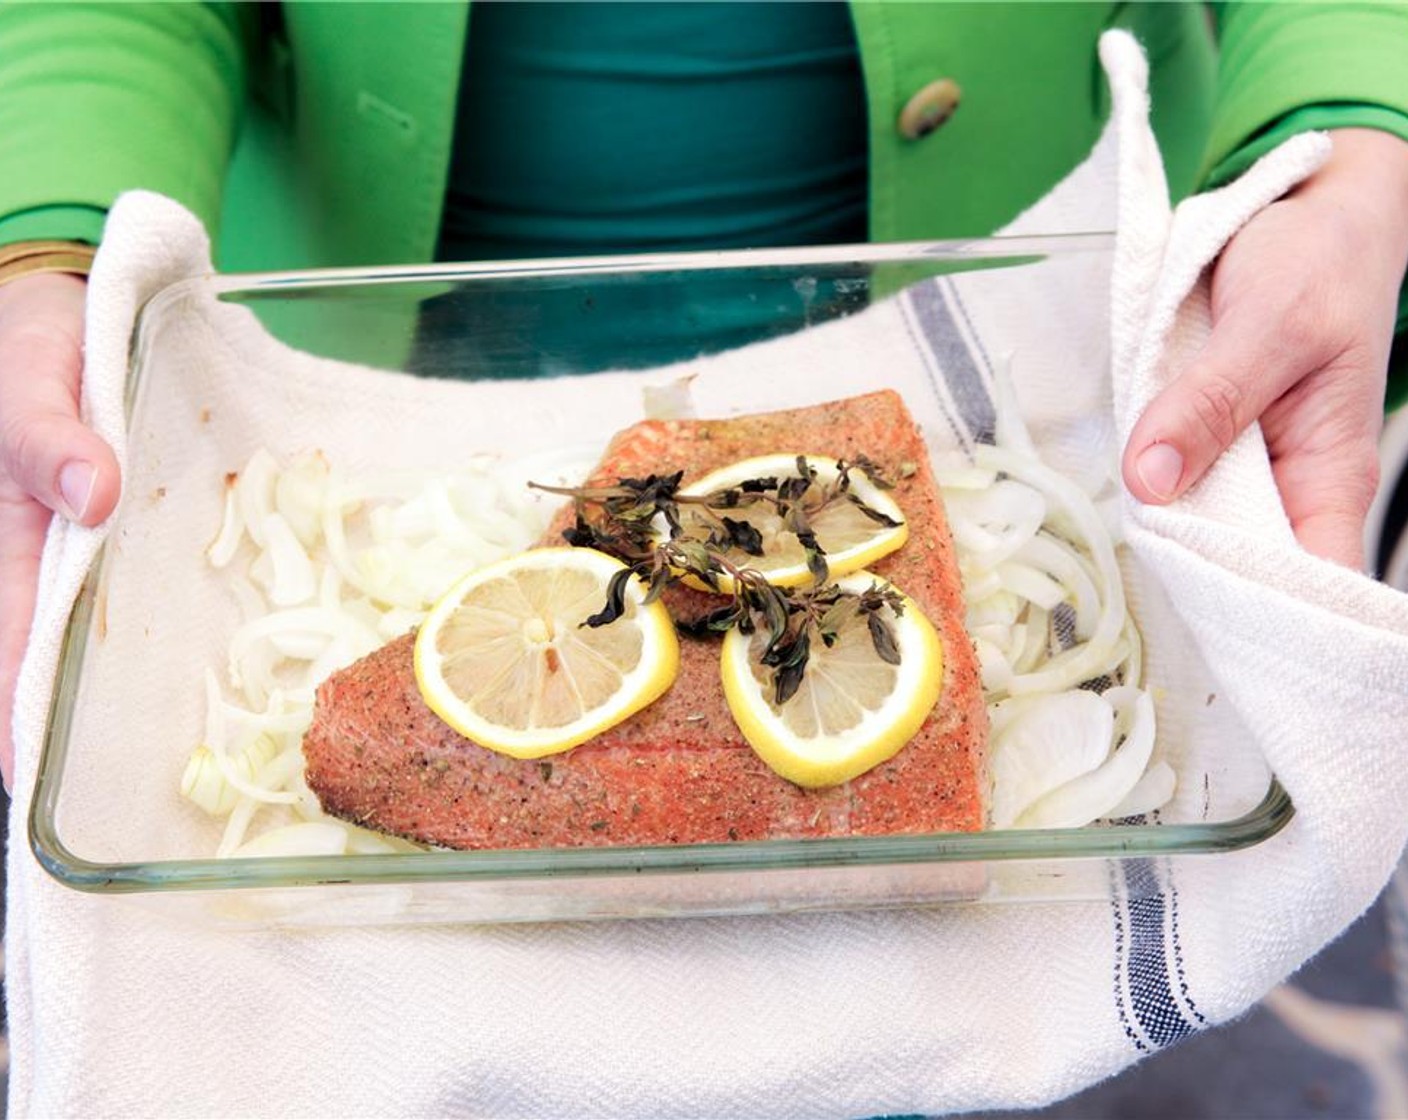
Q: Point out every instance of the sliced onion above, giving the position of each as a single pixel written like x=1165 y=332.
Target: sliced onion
x=1040 y=743
x=1095 y=794
x=258 y=785
x=1133 y=660
x=1001 y=608
x=1071 y=501
x=337 y=504
x=337 y=655
x=979 y=583
x=954 y=470
x=293 y=580
x=277 y=720
x=301 y=620
x=1151 y=792
x=299 y=492
x=993 y=523
x=1035 y=641
x=995 y=669
x=563 y=465
x=300 y=645
x=254 y=490
x=396 y=622
x=1065 y=565
x=1046 y=612
x=227 y=541
x=206 y=782
x=202 y=783
x=360 y=841
x=1031 y=584
x=306 y=838
x=236 y=825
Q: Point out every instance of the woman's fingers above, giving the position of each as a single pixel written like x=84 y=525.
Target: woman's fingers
x=44 y=448
x=1331 y=499
x=1304 y=299
x=1244 y=368
x=1323 y=438
x=49 y=461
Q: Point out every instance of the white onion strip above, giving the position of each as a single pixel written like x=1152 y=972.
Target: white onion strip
x=222 y=548
x=1097 y=792
x=1092 y=658
x=1047 y=614
x=1060 y=561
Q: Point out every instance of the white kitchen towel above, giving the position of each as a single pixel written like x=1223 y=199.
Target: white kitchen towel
x=116 y=1010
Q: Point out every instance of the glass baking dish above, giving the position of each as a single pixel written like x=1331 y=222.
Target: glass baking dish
x=210 y=352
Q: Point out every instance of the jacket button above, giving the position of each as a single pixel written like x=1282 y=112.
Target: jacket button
x=929 y=108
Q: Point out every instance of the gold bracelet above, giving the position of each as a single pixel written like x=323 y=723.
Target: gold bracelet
x=26 y=258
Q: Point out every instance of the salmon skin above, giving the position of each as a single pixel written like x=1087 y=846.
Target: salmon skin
x=678 y=772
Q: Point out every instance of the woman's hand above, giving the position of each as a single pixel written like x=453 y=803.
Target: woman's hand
x=1303 y=306
x=49 y=461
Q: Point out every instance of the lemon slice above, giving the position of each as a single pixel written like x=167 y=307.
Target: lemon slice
x=504 y=659
x=847 y=535
x=852 y=711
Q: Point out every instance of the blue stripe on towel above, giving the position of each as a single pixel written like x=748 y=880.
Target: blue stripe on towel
x=1151 y=992
x=1150 y=984
x=956 y=362
x=1117 y=913
x=1178 y=950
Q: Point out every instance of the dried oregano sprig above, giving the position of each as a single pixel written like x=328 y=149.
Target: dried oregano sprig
x=793 y=616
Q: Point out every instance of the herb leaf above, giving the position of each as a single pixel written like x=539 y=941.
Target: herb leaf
x=874 y=514
x=744 y=536
x=704 y=545
x=615 y=600
x=883 y=638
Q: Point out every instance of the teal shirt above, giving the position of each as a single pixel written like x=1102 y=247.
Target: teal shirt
x=597 y=128
x=587 y=128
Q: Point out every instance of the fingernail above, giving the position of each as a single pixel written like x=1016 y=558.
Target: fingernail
x=76 y=482
x=1160 y=467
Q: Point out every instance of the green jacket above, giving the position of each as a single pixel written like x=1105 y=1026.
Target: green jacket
x=319 y=134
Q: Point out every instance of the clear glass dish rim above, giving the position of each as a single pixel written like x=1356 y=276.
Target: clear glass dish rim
x=890 y=252
x=1114 y=841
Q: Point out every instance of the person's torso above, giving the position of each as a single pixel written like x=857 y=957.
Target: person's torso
x=972 y=112
x=352 y=163
x=588 y=128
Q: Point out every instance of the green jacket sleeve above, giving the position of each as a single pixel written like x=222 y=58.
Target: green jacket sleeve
x=1316 y=118
x=99 y=98
x=1291 y=68
x=1279 y=59
x=1313 y=118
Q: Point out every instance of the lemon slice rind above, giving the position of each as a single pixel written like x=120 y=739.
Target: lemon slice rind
x=651 y=675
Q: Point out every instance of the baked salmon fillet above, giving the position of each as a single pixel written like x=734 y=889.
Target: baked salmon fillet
x=679 y=771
